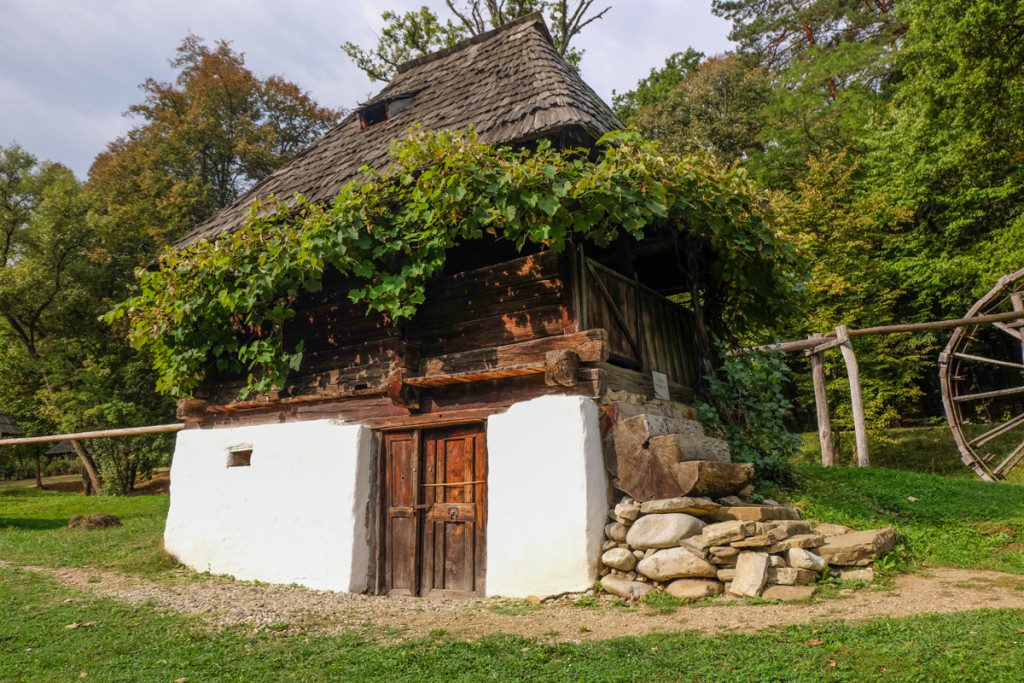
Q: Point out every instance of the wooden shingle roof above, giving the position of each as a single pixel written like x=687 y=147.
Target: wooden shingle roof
x=510 y=84
x=8 y=427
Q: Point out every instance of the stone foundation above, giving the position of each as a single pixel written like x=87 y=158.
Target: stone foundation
x=697 y=547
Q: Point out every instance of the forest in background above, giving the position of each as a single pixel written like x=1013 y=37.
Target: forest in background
x=887 y=136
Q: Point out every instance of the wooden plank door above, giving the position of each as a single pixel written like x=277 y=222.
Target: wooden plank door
x=454 y=495
x=401 y=517
x=435 y=512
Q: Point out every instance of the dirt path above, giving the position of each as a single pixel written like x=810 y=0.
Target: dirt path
x=222 y=602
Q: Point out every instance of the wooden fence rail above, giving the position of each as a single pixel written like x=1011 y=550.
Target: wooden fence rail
x=815 y=347
x=103 y=433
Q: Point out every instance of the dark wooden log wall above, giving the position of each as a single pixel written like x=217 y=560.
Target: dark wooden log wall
x=348 y=351
x=479 y=343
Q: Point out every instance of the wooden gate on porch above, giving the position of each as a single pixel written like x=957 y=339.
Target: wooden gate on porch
x=434 y=511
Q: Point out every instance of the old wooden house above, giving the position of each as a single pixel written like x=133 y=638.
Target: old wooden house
x=460 y=453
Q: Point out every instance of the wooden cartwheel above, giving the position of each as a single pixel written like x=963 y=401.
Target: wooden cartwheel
x=981 y=372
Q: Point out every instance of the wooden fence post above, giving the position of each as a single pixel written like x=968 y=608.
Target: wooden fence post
x=859 y=428
x=828 y=456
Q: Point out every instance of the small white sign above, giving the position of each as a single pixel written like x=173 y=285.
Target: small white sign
x=661 y=386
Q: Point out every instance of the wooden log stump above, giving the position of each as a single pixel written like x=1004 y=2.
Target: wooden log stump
x=637 y=432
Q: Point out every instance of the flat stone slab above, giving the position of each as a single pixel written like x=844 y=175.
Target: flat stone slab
x=801 y=541
x=791 y=576
x=788 y=593
x=858 y=548
x=792 y=527
x=751 y=574
x=695 y=544
x=691 y=506
x=624 y=588
x=675 y=563
x=866 y=574
x=757 y=540
x=627 y=509
x=805 y=559
x=662 y=531
x=832 y=529
x=724 y=533
x=694 y=589
x=754 y=513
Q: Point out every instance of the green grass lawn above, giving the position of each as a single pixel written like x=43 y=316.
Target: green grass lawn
x=32 y=531
x=956 y=520
x=145 y=644
x=929 y=450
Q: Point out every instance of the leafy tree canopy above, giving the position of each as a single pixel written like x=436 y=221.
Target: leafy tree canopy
x=714 y=107
x=954 y=148
x=60 y=369
x=420 y=32
x=392 y=231
x=202 y=141
x=656 y=86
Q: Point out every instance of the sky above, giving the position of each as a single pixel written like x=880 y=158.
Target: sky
x=69 y=69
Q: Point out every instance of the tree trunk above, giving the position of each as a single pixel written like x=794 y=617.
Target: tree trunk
x=88 y=465
x=39 y=474
x=86 y=484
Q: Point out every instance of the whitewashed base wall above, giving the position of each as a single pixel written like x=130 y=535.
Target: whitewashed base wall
x=547 y=497
x=300 y=512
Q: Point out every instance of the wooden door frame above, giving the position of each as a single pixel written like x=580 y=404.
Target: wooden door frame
x=380 y=554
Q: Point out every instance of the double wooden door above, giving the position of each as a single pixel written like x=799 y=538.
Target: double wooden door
x=434 y=509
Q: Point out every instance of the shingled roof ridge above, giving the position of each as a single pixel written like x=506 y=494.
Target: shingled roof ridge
x=534 y=18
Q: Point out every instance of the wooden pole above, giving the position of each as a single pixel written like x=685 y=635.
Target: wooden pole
x=126 y=431
x=828 y=456
x=857 y=404
x=804 y=344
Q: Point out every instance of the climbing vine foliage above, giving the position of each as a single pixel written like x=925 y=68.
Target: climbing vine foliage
x=223 y=304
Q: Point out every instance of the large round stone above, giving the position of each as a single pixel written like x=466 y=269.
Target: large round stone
x=662 y=531
x=624 y=588
x=616 y=532
x=694 y=589
x=619 y=558
x=675 y=563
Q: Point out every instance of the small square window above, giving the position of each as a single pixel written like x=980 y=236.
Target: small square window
x=240 y=457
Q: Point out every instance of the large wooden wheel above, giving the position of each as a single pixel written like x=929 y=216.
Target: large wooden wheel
x=981 y=372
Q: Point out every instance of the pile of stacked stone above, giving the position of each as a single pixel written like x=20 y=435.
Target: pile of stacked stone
x=696 y=547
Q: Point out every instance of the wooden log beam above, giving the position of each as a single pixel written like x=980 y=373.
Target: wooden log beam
x=502 y=372
x=804 y=344
x=591 y=346
x=562 y=368
x=100 y=434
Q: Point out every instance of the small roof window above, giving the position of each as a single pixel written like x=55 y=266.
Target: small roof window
x=385 y=110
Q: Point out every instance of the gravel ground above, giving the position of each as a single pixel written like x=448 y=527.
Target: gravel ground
x=222 y=602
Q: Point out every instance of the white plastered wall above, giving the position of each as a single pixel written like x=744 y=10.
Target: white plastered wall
x=546 y=497
x=299 y=513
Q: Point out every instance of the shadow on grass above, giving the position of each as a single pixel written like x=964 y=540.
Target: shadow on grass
x=30 y=524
